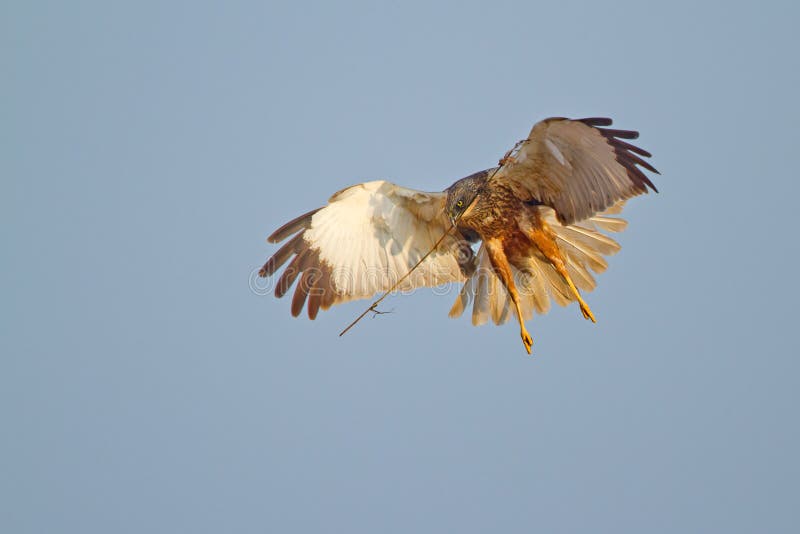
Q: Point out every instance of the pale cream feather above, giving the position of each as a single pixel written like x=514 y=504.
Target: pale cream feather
x=371 y=234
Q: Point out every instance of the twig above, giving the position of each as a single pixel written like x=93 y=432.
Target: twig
x=374 y=305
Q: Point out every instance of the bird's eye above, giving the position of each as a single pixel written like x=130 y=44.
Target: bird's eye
x=460 y=203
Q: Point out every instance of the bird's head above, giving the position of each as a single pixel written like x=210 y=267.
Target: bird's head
x=463 y=193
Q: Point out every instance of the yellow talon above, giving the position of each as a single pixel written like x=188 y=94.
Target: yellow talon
x=527 y=340
x=587 y=313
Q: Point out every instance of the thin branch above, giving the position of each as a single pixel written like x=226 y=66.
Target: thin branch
x=374 y=305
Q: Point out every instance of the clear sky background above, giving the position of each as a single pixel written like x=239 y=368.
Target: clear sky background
x=148 y=148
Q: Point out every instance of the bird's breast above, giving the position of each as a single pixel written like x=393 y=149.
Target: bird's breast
x=495 y=214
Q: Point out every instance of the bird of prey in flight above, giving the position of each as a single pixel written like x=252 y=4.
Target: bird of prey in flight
x=537 y=221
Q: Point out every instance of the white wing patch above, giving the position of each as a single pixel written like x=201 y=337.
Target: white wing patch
x=370 y=236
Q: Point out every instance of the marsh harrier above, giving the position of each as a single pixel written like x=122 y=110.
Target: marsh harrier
x=537 y=221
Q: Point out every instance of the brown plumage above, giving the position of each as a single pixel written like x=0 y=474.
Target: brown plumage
x=539 y=216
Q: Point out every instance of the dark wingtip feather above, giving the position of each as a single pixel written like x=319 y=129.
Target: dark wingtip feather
x=281 y=256
x=317 y=290
x=289 y=276
x=622 y=134
x=314 y=301
x=301 y=293
x=626 y=155
x=633 y=148
x=313 y=277
x=597 y=121
x=642 y=163
x=295 y=225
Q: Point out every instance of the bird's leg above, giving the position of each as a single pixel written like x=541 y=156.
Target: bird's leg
x=546 y=243
x=500 y=263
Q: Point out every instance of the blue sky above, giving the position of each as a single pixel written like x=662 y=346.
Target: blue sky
x=148 y=148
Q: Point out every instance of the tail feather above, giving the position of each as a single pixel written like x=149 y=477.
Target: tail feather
x=557 y=288
x=610 y=224
x=581 y=276
x=589 y=237
x=581 y=253
x=480 y=309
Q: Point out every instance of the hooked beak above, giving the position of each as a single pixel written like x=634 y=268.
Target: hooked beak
x=452 y=219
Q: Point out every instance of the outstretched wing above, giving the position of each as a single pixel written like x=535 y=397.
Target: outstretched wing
x=576 y=167
x=366 y=239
